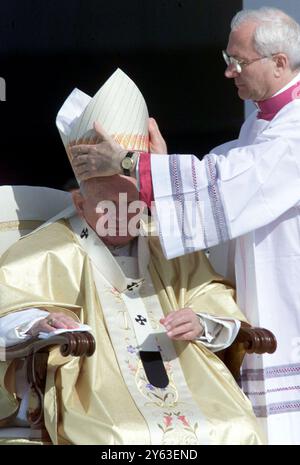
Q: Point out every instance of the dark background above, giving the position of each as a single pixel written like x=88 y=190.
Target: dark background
x=171 y=49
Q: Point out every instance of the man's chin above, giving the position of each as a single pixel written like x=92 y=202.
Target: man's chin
x=243 y=93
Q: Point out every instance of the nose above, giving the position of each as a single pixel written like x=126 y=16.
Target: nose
x=231 y=72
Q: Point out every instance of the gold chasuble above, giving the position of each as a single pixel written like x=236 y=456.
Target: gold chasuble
x=107 y=398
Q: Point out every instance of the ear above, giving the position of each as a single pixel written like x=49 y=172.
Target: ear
x=281 y=62
x=78 y=201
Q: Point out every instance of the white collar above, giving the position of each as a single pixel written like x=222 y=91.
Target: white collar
x=289 y=84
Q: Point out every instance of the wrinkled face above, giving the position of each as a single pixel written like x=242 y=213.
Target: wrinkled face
x=110 y=205
x=257 y=80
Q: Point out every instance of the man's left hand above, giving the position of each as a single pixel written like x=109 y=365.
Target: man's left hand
x=183 y=324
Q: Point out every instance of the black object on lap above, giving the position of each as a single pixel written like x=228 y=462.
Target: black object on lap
x=154 y=369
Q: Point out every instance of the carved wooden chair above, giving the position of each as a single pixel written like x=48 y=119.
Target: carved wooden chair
x=35 y=355
x=249 y=340
x=35 y=352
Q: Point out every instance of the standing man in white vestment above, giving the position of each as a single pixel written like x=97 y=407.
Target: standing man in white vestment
x=249 y=190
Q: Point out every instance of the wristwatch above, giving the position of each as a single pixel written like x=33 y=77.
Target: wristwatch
x=127 y=163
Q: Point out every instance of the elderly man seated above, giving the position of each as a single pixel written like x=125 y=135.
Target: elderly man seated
x=154 y=378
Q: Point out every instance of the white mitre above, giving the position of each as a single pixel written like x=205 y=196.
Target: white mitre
x=118 y=106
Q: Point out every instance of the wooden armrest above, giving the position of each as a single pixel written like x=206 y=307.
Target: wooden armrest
x=36 y=351
x=75 y=343
x=256 y=340
x=250 y=340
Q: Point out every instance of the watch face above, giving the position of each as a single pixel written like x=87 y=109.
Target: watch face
x=127 y=163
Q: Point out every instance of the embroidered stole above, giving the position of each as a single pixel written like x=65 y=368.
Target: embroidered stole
x=132 y=312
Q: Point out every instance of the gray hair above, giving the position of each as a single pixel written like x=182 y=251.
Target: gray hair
x=276 y=32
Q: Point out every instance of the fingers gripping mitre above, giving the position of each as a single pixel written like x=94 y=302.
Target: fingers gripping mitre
x=101 y=159
x=115 y=118
x=157 y=143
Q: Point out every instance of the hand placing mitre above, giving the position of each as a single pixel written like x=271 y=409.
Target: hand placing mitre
x=100 y=155
x=52 y=322
x=183 y=324
x=100 y=159
x=157 y=143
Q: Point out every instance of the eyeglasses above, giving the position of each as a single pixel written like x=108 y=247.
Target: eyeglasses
x=237 y=64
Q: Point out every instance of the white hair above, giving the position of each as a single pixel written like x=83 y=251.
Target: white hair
x=275 y=32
